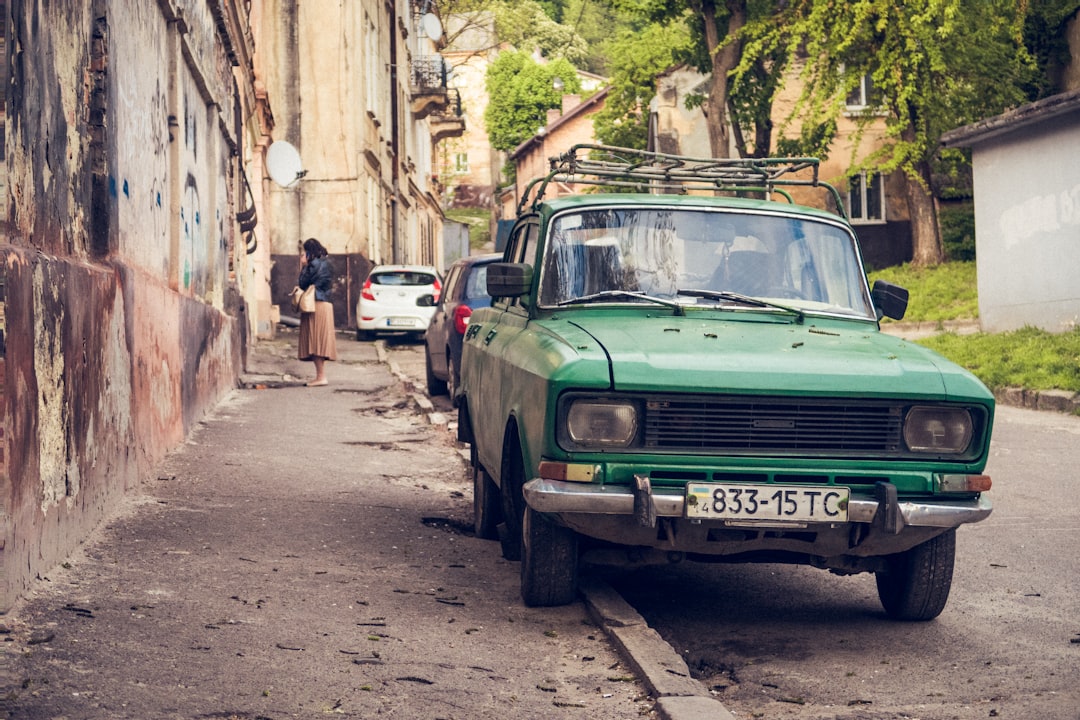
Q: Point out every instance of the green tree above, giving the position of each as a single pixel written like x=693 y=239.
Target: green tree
x=934 y=65
x=521 y=91
x=1046 y=38
x=597 y=23
x=522 y=24
x=737 y=109
x=636 y=57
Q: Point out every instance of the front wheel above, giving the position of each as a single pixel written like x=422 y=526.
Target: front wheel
x=916 y=583
x=549 y=561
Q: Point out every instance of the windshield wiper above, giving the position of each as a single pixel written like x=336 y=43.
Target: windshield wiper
x=614 y=294
x=742 y=299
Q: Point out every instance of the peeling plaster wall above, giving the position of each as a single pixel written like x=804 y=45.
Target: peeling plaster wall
x=121 y=318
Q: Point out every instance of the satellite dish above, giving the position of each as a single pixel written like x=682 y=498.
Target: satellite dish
x=432 y=26
x=283 y=163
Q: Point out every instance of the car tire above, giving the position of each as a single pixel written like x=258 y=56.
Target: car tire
x=364 y=335
x=435 y=386
x=916 y=583
x=513 y=502
x=487 y=507
x=549 y=562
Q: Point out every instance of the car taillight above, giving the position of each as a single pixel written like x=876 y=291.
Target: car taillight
x=365 y=292
x=438 y=289
x=461 y=318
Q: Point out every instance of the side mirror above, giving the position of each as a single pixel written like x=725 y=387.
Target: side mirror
x=890 y=300
x=509 y=279
x=426 y=300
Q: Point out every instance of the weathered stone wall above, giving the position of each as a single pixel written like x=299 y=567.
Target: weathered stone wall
x=121 y=319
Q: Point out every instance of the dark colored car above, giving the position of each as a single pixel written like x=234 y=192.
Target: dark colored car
x=465 y=291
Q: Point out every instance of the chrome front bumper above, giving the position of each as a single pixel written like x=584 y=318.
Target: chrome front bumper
x=556 y=497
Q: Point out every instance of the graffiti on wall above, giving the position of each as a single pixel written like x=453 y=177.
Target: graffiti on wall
x=139 y=113
x=1043 y=214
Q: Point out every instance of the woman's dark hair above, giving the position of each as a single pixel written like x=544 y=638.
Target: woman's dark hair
x=314 y=248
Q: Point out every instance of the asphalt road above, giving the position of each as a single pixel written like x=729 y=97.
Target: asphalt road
x=306 y=554
x=774 y=641
x=793 y=642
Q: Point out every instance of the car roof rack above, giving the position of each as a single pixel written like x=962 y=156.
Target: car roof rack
x=644 y=171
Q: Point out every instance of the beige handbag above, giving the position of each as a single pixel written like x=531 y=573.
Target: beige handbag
x=304 y=300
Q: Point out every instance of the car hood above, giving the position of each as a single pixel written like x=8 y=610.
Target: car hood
x=760 y=353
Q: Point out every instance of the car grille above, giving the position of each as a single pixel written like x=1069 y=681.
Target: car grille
x=774 y=426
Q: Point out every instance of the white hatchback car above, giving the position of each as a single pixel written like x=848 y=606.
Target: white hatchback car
x=387 y=301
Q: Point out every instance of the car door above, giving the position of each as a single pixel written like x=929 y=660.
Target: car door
x=490 y=332
x=438 y=334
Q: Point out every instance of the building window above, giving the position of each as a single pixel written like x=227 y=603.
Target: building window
x=866 y=199
x=461 y=162
x=862 y=96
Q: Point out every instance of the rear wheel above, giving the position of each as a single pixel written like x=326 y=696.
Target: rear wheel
x=364 y=335
x=916 y=583
x=435 y=386
x=487 y=507
x=451 y=379
x=549 y=562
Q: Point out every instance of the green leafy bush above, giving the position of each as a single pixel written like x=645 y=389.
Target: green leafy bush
x=958 y=231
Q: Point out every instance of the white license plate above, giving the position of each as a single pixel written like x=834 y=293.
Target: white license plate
x=775 y=503
x=400 y=322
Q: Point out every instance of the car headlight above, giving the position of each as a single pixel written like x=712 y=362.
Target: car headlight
x=938 y=430
x=601 y=423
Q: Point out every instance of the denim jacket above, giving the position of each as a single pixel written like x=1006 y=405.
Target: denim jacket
x=320 y=272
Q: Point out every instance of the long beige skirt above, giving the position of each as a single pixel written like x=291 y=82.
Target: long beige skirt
x=317 y=334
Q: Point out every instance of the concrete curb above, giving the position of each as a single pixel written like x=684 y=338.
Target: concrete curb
x=664 y=672
x=912 y=330
x=1050 y=400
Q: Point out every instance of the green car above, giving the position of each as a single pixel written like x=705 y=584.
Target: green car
x=692 y=368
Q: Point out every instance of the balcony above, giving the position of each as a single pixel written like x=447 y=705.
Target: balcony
x=429 y=92
x=449 y=123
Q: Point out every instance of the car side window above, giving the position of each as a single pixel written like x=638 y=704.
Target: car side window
x=450 y=289
x=476 y=284
x=523 y=243
x=521 y=249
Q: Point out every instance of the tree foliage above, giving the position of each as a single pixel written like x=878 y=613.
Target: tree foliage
x=934 y=65
x=523 y=24
x=636 y=57
x=521 y=91
x=1046 y=39
x=707 y=36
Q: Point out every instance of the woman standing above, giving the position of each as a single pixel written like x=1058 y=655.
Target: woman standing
x=318 y=341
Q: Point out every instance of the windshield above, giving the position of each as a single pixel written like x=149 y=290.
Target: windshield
x=799 y=262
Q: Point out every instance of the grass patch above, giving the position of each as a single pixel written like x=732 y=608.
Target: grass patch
x=1029 y=358
x=479 y=222
x=945 y=292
